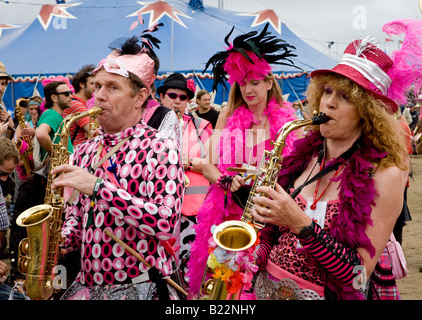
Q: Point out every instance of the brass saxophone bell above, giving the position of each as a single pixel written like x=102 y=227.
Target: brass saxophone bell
x=234 y=235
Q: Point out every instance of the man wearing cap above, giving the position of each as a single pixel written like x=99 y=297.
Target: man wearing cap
x=174 y=94
x=4 y=115
x=130 y=183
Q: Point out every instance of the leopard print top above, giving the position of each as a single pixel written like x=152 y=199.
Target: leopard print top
x=286 y=254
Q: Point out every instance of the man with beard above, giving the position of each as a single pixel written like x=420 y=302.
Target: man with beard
x=58 y=97
x=83 y=82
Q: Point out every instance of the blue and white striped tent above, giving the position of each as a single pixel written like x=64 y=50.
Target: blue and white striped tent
x=66 y=36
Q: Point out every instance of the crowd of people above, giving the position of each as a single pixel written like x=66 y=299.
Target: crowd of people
x=155 y=178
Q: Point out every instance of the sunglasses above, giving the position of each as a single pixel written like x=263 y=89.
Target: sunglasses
x=66 y=93
x=174 y=96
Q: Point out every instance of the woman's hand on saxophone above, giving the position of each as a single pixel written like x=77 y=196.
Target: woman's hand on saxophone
x=73 y=177
x=279 y=209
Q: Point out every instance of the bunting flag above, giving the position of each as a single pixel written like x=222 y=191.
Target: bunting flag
x=6 y=26
x=48 y=11
x=159 y=9
x=264 y=16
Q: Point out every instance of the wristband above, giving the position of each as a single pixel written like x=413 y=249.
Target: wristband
x=96 y=187
x=225 y=181
x=90 y=220
x=190 y=167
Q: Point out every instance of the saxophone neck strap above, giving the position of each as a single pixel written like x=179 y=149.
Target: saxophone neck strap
x=99 y=163
x=345 y=156
x=109 y=154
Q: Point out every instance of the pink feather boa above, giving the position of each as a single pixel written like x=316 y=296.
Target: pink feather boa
x=357 y=193
x=213 y=212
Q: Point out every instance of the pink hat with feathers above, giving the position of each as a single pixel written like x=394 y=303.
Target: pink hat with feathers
x=384 y=77
x=133 y=55
x=249 y=56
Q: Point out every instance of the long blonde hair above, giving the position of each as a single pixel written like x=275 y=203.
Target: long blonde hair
x=378 y=125
x=235 y=96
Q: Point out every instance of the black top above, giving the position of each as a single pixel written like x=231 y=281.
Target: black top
x=158 y=116
x=211 y=115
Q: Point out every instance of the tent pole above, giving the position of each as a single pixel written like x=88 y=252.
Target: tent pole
x=197 y=78
x=36 y=83
x=291 y=86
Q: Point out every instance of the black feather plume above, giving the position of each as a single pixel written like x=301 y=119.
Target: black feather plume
x=134 y=45
x=263 y=44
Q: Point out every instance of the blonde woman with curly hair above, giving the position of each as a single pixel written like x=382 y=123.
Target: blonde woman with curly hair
x=340 y=190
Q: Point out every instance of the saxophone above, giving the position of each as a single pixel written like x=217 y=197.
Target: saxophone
x=93 y=123
x=182 y=124
x=39 y=252
x=234 y=235
x=24 y=145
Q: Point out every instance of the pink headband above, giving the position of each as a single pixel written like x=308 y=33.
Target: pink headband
x=139 y=64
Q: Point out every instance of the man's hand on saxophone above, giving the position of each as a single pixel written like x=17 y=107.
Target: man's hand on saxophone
x=74 y=177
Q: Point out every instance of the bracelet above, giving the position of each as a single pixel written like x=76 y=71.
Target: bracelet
x=190 y=167
x=96 y=187
x=90 y=220
x=225 y=181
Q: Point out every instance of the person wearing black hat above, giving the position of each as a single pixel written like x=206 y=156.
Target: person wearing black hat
x=174 y=94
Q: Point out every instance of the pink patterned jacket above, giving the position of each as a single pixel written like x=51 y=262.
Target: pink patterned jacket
x=143 y=210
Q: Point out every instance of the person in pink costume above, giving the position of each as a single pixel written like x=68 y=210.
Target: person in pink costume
x=136 y=193
x=340 y=190
x=245 y=128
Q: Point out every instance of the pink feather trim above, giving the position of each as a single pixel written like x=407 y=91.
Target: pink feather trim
x=58 y=78
x=356 y=193
x=407 y=69
x=212 y=211
x=240 y=69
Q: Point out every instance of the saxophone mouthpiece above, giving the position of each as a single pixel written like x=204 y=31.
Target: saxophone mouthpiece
x=320 y=118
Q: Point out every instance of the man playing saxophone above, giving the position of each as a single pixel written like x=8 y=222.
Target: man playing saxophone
x=130 y=181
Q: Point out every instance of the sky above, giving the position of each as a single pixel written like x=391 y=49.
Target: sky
x=318 y=22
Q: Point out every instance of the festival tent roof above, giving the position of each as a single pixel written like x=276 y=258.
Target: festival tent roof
x=64 y=37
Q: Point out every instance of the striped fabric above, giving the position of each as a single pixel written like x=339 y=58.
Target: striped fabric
x=337 y=259
x=383 y=280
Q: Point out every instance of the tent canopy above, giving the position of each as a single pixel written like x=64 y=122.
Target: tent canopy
x=64 y=37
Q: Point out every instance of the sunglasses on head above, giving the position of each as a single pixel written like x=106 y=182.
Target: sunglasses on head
x=174 y=96
x=66 y=93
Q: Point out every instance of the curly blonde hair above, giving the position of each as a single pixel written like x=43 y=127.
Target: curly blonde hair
x=378 y=125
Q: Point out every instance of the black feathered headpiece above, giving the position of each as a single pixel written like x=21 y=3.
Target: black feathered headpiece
x=133 y=54
x=249 y=57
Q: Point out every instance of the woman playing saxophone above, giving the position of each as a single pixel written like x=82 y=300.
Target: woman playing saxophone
x=333 y=210
x=245 y=128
